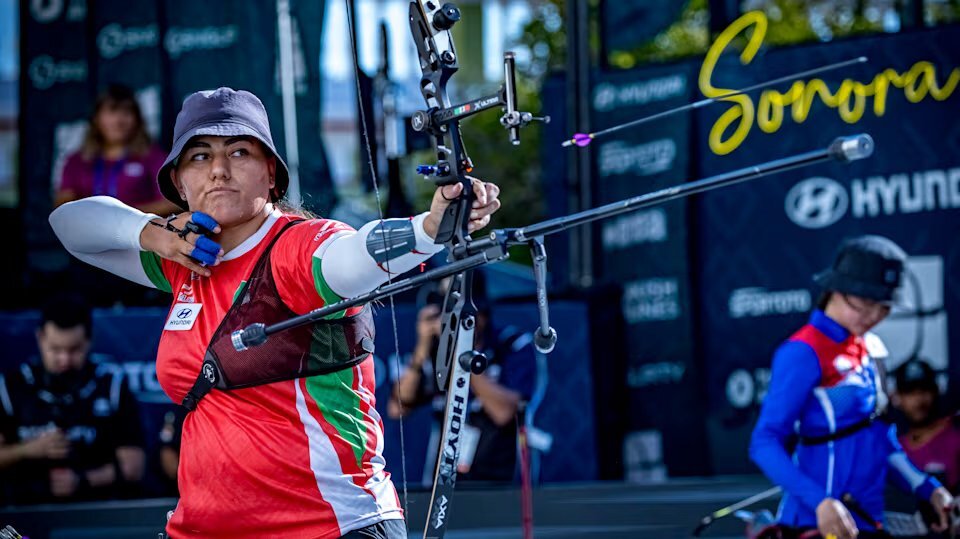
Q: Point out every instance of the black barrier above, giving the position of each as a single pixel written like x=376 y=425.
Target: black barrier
x=759 y=245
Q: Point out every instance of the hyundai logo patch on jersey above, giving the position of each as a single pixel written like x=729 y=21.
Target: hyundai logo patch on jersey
x=182 y=317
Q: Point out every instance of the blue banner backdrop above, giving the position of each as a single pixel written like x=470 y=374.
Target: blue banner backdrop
x=758 y=244
x=646 y=253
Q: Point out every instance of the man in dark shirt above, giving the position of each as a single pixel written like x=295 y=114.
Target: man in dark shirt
x=489 y=442
x=69 y=430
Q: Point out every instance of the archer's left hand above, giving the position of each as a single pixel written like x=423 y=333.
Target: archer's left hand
x=944 y=504
x=486 y=203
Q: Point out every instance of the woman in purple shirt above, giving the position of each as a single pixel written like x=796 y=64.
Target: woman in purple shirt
x=117 y=158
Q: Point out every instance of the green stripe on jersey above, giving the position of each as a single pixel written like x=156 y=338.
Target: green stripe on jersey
x=340 y=406
x=151 y=266
x=323 y=289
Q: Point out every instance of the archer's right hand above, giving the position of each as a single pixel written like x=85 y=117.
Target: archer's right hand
x=835 y=521
x=193 y=250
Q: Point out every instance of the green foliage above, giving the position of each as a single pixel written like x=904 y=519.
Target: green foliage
x=688 y=36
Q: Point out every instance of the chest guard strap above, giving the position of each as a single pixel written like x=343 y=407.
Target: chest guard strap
x=849 y=430
x=321 y=348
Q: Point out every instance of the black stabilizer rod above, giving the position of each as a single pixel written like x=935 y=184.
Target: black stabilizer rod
x=844 y=149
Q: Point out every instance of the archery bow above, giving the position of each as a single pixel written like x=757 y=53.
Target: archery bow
x=430 y=25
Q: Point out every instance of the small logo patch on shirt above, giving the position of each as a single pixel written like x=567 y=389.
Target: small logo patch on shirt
x=182 y=317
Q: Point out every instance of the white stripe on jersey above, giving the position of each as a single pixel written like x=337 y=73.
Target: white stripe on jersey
x=379 y=483
x=349 y=502
x=821 y=395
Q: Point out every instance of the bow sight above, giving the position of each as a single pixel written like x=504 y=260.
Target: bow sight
x=430 y=26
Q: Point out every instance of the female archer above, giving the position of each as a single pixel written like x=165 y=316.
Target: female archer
x=298 y=457
x=826 y=396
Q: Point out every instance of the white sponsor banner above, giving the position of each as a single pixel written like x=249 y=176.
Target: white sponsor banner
x=634 y=229
x=651 y=300
x=756 y=301
x=609 y=96
x=45 y=71
x=655 y=374
x=180 y=40
x=647 y=159
x=114 y=39
x=819 y=202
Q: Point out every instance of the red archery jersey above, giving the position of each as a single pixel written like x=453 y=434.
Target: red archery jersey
x=300 y=458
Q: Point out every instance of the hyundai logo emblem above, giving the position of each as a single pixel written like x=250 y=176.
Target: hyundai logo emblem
x=816 y=202
x=183 y=313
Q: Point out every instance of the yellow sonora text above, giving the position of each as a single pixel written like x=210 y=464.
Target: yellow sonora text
x=850 y=99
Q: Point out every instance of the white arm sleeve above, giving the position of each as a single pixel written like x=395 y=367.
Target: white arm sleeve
x=356 y=262
x=103 y=232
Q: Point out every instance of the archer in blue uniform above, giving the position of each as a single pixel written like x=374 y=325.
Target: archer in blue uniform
x=825 y=397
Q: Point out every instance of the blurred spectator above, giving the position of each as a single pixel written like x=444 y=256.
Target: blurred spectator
x=68 y=429
x=489 y=441
x=117 y=158
x=170 y=448
x=931 y=441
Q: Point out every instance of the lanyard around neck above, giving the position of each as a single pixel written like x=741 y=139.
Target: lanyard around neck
x=105 y=182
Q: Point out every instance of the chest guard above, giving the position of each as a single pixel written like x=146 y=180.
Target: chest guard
x=321 y=348
x=876 y=352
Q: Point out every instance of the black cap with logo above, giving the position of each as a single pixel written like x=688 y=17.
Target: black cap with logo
x=866 y=266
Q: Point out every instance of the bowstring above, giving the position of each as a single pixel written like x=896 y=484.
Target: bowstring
x=384 y=234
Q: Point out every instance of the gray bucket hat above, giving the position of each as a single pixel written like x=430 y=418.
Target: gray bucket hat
x=223 y=112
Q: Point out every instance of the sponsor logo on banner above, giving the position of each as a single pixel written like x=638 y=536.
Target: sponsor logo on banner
x=45 y=71
x=745 y=389
x=634 y=229
x=608 y=96
x=819 y=202
x=643 y=159
x=754 y=302
x=47 y=11
x=180 y=40
x=921 y=82
x=114 y=40
x=651 y=300
x=655 y=374
x=816 y=202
